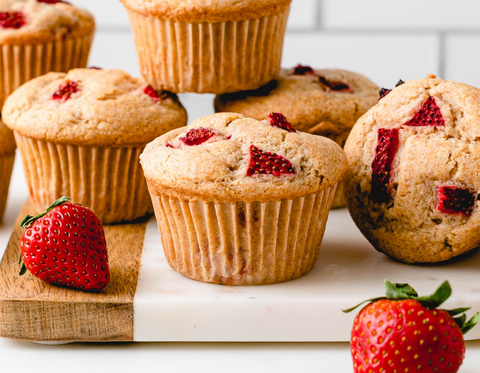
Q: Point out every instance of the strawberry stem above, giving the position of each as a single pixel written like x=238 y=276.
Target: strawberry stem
x=28 y=220
x=444 y=291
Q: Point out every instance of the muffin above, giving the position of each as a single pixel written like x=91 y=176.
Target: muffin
x=7 y=158
x=239 y=201
x=208 y=46
x=39 y=36
x=414 y=159
x=322 y=102
x=81 y=134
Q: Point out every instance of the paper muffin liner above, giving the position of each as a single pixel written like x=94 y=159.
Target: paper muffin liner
x=216 y=57
x=243 y=243
x=6 y=167
x=339 y=198
x=20 y=63
x=107 y=180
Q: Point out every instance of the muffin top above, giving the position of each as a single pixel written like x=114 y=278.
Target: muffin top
x=37 y=21
x=324 y=102
x=228 y=158
x=207 y=10
x=414 y=160
x=7 y=142
x=92 y=107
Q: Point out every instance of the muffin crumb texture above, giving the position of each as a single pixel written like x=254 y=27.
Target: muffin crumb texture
x=92 y=107
x=412 y=183
x=228 y=157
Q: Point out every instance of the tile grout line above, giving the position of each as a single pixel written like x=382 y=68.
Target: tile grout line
x=319 y=15
x=442 y=55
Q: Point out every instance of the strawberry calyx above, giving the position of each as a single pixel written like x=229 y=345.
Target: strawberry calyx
x=28 y=220
x=444 y=291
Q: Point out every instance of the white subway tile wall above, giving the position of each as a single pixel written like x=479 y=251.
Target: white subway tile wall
x=383 y=39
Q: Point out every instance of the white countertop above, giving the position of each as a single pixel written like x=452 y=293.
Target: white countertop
x=174 y=357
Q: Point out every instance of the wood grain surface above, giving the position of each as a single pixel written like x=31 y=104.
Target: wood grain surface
x=33 y=310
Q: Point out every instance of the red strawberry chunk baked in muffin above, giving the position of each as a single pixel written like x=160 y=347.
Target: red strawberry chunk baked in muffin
x=239 y=201
x=412 y=181
x=81 y=134
x=39 y=36
x=322 y=102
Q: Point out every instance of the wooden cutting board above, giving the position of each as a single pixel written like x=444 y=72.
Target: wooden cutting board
x=156 y=304
x=33 y=310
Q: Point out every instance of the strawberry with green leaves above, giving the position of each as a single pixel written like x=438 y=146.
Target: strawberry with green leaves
x=65 y=245
x=405 y=333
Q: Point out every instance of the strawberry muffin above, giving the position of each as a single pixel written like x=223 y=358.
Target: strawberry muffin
x=81 y=134
x=208 y=46
x=239 y=201
x=414 y=159
x=322 y=102
x=39 y=36
x=7 y=158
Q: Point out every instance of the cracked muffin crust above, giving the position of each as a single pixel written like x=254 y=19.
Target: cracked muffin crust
x=412 y=181
x=94 y=108
x=81 y=135
x=239 y=201
x=39 y=36
x=324 y=102
x=217 y=169
x=38 y=21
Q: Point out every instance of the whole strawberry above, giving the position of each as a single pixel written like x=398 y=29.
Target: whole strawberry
x=404 y=333
x=65 y=245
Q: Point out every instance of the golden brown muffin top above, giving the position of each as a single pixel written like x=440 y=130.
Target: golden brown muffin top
x=7 y=142
x=207 y=10
x=226 y=165
x=93 y=108
x=307 y=98
x=34 y=21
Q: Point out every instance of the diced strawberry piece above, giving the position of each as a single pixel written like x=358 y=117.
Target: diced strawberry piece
x=12 y=20
x=455 y=200
x=197 y=136
x=382 y=164
x=66 y=90
x=95 y=68
x=268 y=163
x=158 y=95
x=383 y=92
x=168 y=145
x=303 y=70
x=280 y=121
x=428 y=115
x=336 y=86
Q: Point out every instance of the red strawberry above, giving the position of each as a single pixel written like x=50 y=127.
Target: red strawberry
x=157 y=95
x=428 y=115
x=268 y=163
x=334 y=85
x=407 y=333
x=197 y=136
x=454 y=200
x=66 y=246
x=303 y=70
x=95 y=68
x=280 y=121
x=66 y=90
x=382 y=164
x=12 y=20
